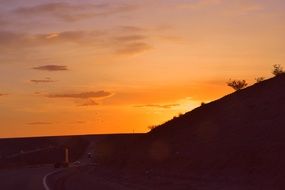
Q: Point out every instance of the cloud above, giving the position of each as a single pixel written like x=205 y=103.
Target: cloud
x=10 y=38
x=133 y=48
x=199 y=4
x=51 y=68
x=243 y=7
x=116 y=41
x=82 y=95
x=73 y=12
x=164 y=106
x=2 y=94
x=39 y=123
x=89 y=102
x=3 y=22
x=131 y=29
x=24 y=40
x=131 y=44
x=76 y=36
x=46 y=80
x=238 y=7
x=79 y=122
x=130 y=38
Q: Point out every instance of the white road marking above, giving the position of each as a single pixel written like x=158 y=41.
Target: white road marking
x=46 y=176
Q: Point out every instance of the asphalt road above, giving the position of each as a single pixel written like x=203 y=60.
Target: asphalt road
x=24 y=179
x=80 y=178
x=76 y=178
x=44 y=178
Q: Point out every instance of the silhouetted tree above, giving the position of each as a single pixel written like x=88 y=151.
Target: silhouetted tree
x=277 y=70
x=237 y=84
x=152 y=127
x=259 y=79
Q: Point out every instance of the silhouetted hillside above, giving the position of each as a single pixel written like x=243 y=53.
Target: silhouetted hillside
x=261 y=102
x=238 y=139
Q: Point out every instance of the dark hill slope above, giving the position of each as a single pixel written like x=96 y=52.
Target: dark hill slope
x=242 y=131
x=262 y=104
x=239 y=138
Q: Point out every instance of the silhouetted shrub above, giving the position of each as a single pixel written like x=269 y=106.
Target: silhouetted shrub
x=237 y=84
x=177 y=116
x=152 y=127
x=203 y=103
x=259 y=79
x=277 y=70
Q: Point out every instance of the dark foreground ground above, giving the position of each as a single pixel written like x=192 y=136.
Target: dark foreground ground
x=94 y=177
x=23 y=179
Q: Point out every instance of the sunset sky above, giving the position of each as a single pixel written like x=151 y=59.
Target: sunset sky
x=118 y=66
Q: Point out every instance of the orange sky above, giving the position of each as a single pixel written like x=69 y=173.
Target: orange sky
x=116 y=66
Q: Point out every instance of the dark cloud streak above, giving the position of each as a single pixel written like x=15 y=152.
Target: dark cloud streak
x=39 y=123
x=123 y=43
x=165 y=106
x=131 y=29
x=89 y=102
x=51 y=68
x=130 y=38
x=82 y=95
x=133 y=48
x=73 y=12
x=47 y=80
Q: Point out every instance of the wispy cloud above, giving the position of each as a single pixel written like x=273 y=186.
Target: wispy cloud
x=199 y=4
x=39 y=123
x=46 y=80
x=24 y=40
x=127 y=43
x=131 y=29
x=51 y=68
x=2 y=94
x=10 y=38
x=79 y=122
x=76 y=36
x=84 y=99
x=243 y=7
x=73 y=12
x=164 y=106
x=82 y=95
x=3 y=22
x=238 y=7
x=133 y=48
x=89 y=102
x=130 y=38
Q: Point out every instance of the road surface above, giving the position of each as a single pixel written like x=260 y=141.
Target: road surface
x=45 y=178
x=23 y=179
x=80 y=178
